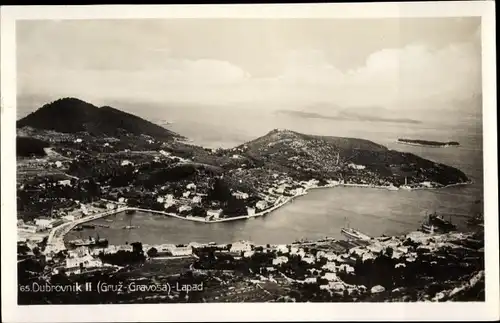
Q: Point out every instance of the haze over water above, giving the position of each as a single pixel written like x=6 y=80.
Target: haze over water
x=324 y=211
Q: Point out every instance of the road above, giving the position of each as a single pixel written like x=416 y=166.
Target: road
x=55 y=240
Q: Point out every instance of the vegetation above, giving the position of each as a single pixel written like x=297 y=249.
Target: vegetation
x=70 y=115
x=30 y=147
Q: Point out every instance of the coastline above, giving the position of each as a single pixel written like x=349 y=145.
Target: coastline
x=64 y=228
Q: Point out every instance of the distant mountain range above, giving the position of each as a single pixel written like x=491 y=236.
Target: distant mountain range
x=347 y=116
x=71 y=115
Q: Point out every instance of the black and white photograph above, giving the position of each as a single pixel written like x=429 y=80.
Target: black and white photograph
x=250 y=159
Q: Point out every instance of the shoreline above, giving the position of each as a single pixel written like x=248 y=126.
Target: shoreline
x=66 y=227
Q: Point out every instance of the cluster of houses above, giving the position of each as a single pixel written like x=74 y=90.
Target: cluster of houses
x=38 y=225
x=78 y=261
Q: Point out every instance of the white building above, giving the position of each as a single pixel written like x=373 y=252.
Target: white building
x=216 y=214
x=191 y=186
x=280 y=260
x=261 y=205
x=184 y=208
x=310 y=280
x=28 y=228
x=347 y=268
x=44 y=224
x=181 y=251
x=240 y=195
x=330 y=266
x=78 y=140
x=126 y=162
x=250 y=211
x=110 y=206
x=330 y=276
x=377 y=289
x=64 y=182
x=195 y=244
x=282 y=247
x=240 y=246
x=309 y=260
x=354 y=166
x=160 y=199
x=196 y=199
x=58 y=164
x=85 y=261
x=248 y=254
x=338 y=286
x=186 y=194
x=164 y=153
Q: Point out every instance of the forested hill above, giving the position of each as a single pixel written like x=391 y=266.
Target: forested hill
x=71 y=115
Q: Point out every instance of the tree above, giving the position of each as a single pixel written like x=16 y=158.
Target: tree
x=152 y=252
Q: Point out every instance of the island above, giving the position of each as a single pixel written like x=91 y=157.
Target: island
x=427 y=143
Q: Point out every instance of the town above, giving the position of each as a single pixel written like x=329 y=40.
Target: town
x=68 y=179
x=397 y=268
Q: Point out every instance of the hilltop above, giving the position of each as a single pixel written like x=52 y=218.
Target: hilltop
x=71 y=115
x=353 y=160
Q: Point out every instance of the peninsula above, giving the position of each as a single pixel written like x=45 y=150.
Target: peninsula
x=427 y=143
x=72 y=154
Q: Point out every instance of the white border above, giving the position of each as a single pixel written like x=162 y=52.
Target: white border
x=488 y=310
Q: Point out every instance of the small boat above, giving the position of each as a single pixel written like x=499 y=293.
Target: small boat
x=87 y=226
x=130 y=212
x=109 y=220
x=129 y=227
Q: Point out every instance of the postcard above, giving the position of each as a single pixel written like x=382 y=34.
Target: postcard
x=249 y=162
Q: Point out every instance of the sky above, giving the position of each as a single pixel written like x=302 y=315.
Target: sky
x=394 y=64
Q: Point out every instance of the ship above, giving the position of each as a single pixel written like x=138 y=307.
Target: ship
x=437 y=224
x=354 y=234
x=87 y=226
x=90 y=242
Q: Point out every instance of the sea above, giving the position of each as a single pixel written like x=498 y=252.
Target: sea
x=322 y=212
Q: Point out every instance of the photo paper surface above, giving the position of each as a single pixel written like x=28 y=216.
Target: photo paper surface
x=234 y=159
